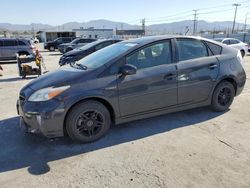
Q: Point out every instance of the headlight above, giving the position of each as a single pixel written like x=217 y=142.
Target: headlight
x=47 y=93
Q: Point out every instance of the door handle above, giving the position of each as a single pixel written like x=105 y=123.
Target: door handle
x=170 y=76
x=212 y=66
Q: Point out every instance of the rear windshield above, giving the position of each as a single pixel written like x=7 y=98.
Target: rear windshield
x=104 y=55
x=216 y=49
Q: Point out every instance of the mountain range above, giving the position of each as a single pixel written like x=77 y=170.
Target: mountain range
x=174 y=27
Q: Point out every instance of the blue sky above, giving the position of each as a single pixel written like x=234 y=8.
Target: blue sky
x=57 y=12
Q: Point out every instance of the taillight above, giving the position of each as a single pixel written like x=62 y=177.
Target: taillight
x=239 y=57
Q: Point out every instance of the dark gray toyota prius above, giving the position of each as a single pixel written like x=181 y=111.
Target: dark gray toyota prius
x=131 y=80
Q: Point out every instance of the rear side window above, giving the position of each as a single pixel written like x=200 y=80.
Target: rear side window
x=191 y=49
x=21 y=43
x=227 y=42
x=67 y=40
x=10 y=43
x=216 y=49
x=89 y=40
x=102 y=45
x=83 y=41
x=234 y=42
x=1 y=43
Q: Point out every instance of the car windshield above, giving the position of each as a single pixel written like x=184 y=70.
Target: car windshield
x=74 y=41
x=218 y=40
x=104 y=55
x=89 y=45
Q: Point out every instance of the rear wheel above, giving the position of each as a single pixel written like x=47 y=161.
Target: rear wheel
x=88 y=121
x=223 y=96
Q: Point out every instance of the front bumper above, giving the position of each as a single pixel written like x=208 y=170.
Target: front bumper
x=61 y=49
x=46 y=118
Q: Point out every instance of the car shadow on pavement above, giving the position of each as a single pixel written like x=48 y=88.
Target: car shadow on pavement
x=19 y=150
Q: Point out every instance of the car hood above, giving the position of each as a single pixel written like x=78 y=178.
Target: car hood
x=66 y=44
x=57 y=78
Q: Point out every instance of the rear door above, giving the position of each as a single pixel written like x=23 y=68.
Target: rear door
x=197 y=68
x=154 y=86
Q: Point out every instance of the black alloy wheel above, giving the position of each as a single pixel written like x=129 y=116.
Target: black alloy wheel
x=90 y=123
x=87 y=121
x=223 y=96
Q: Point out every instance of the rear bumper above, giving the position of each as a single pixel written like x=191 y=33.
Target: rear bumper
x=241 y=83
x=46 y=119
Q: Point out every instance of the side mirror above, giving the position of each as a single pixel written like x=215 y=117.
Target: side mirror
x=128 y=69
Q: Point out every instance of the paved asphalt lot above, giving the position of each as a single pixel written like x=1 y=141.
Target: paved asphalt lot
x=194 y=148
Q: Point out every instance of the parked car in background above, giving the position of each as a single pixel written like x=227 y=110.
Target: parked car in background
x=249 y=47
x=76 y=43
x=131 y=80
x=52 y=45
x=79 y=53
x=9 y=48
x=243 y=47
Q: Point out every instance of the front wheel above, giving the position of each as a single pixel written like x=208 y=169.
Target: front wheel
x=52 y=48
x=88 y=121
x=223 y=96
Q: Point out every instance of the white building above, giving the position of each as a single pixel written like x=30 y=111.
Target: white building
x=46 y=36
x=94 y=33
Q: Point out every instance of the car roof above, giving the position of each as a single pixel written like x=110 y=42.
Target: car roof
x=20 y=39
x=150 y=39
x=227 y=38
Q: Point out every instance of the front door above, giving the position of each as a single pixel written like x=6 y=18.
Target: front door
x=154 y=86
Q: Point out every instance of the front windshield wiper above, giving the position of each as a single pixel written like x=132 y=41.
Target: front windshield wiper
x=84 y=67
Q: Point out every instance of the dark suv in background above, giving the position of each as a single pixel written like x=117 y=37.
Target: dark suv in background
x=52 y=45
x=77 y=43
x=10 y=47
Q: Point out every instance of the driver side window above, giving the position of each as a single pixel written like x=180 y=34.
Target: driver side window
x=150 y=56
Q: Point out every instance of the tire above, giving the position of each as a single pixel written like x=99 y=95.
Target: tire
x=52 y=48
x=88 y=121
x=223 y=96
x=242 y=53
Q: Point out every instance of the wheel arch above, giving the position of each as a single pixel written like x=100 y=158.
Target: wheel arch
x=230 y=79
x=99 y=99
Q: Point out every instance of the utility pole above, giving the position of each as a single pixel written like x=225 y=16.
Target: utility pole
x=235 y=13
x=245 y=26
x=195 y=20
x=143 y=26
